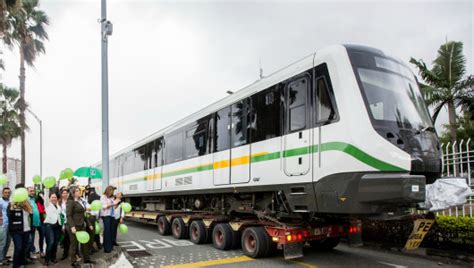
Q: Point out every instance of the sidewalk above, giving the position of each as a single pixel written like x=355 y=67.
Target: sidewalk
x=102 y=260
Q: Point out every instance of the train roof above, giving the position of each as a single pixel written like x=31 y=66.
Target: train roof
x=259 y=85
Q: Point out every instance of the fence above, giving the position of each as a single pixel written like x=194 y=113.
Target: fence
x=458 y=161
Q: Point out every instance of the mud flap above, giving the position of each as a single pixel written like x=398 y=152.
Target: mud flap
x=293 y=251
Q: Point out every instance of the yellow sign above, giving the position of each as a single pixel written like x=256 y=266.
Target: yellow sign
x=420 y=229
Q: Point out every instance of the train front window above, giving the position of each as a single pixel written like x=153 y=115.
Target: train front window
x=393 y=97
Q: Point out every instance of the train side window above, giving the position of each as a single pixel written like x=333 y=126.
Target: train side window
x=158 y=153
x=174 y=147
x=196 y=140
x=140 y=159
x=265 y=116
x=239 y=123
x=222 y=130
x=296 y=100
x=325 y=111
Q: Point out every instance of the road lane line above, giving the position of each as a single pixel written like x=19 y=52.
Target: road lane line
x=210 y=262
x=393 y=265
x=304 y=264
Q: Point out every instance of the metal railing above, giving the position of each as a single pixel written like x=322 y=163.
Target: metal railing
x=458 y=161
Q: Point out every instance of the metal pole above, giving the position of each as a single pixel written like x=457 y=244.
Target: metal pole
x=106 y=30
x=41 y=139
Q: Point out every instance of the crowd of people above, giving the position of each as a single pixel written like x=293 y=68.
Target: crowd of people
x=57 y=214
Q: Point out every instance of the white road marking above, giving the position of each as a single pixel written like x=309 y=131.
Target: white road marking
x=131 y=246
x=393 y=265
x=155 y=244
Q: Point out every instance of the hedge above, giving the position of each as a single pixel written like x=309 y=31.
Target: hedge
x=449 y=232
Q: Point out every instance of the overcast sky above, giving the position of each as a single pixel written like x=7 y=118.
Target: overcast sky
x=168 y=59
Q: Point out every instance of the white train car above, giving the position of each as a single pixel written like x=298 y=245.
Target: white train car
x=344 y=130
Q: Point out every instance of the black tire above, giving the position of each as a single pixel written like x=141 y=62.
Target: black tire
x=164 y=227
x=222 y=236
x=255 y=242
x=178 y=229
x=197 y=232
x=326 y=244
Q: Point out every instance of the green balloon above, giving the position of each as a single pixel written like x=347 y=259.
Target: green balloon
x=97 y=228
x=96 y=205
x=123 y=228
x=61 y=175
x=126 y=207
x=68 y=173
x=49 y=182
x=20 y=195
x=37 y=179
x=3 y=179
x=82 y=237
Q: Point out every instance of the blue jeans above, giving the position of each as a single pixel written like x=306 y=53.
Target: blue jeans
x=30 y=248
x=20 y=241
x=3 y=240
x=41 y=237
x=108 y=232
x=51 y=233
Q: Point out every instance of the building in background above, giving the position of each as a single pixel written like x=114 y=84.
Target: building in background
x=14 y=171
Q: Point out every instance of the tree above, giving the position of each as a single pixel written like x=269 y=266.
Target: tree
x=9 y=120
x=7 y=7
x=27 y=32
x=445 y=84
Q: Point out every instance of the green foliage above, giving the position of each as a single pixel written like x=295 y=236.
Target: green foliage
x=465 y=129
x=9 y=119
x=445 y=83
x=456 y=228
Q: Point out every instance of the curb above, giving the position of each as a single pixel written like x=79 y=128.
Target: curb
x=442 y=256
x=108 y=259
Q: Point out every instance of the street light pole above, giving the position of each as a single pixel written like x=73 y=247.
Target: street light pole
x=106 y=30
x=41 y=139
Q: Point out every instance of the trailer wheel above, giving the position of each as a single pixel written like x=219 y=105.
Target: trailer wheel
x=163 y=226
x=197 y=232
x=327 y=244
x=222 y=236
x=178 y=229
x=255 y=242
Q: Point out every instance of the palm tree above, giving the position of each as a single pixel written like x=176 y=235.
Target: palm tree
x=27 y=32
x=9 y=119
x=445 y=84
x=7 y=7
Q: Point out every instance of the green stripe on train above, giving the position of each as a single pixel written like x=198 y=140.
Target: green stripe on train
x=330 y=146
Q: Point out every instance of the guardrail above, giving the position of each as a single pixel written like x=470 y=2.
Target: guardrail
x=458 y=161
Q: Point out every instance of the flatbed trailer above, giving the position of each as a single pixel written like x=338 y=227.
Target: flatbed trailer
x=258 y=236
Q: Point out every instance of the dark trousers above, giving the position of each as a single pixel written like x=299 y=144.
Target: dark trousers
x=30 y=247
x=75 y=245
x=114 y=231
x=108 y=232
x=66 y=243
x=41 y=237
x=94 y=237
x=20 y=242
x=51 y=233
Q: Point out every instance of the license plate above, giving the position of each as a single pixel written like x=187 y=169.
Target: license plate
x=420 y=229
x=293 y=251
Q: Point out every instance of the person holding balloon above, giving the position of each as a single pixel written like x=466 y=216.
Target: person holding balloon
x=19 y=211
x=77 y=224
x=35 y=224
x=52 y=229
x=107 y=214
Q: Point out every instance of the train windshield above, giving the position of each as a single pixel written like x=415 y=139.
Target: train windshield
x=393 y=96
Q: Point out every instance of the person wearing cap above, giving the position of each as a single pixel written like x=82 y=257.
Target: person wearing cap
x=108 y=216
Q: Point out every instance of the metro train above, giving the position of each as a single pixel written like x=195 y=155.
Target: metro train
x=343 y=131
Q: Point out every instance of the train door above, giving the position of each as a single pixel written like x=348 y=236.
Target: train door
x=297 y=142
x=240 y=152
x=155 y=159
x=222 y=152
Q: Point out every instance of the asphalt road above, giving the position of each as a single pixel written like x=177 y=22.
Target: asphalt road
x=169 y=252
